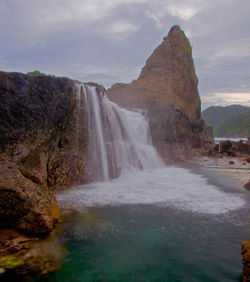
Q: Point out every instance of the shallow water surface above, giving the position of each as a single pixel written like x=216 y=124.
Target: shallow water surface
x=167 y=224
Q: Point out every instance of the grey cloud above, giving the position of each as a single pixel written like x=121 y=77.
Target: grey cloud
x=109 y=41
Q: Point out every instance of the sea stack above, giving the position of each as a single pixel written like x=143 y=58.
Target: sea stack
x=167 y=88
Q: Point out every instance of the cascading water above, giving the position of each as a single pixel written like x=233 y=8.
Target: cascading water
x=118 y=140
x=153 y=221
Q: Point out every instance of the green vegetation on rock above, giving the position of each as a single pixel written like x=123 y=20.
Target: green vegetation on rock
x=237 y=126
x=36 y=72
x=9 y=262
x=215 y=114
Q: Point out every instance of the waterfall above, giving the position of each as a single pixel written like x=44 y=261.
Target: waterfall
x=118 y=140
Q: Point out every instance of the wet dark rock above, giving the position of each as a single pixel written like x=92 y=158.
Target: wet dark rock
x=231 y=148
x=247 y=185
x=243 y=147
x=226 y=147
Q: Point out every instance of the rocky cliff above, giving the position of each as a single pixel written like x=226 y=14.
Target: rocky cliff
x=40 y=148
x=167 y=90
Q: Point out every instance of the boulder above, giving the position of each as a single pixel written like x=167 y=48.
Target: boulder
x=226 y=147
x=247 y=185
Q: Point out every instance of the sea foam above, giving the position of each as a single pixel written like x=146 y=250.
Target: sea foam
x=168 y=186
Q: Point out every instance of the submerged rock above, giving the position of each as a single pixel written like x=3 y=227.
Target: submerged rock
x=167 y=89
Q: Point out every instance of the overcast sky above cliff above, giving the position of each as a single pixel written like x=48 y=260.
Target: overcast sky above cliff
x=109 y=40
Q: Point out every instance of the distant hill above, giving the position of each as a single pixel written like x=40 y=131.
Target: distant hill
x=215 y=114
x=236 y=126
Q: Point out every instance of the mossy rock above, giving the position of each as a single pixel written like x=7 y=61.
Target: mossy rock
x=10 y=262
x=2 y=270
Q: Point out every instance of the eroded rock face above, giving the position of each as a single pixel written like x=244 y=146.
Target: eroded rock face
x=167 y=89
x=24 y=205
x=173 y=133
x=41 y=147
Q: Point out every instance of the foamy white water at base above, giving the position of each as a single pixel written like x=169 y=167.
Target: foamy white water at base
x=168 y=186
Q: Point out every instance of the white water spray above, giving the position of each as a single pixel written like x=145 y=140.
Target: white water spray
x=118 y=140
x=120 y=145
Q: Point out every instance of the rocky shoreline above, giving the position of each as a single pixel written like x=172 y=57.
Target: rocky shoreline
x=230 y=156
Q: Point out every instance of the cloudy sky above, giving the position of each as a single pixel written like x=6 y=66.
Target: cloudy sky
x=108 y=41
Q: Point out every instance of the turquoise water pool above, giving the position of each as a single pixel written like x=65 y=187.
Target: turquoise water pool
x=159 y=241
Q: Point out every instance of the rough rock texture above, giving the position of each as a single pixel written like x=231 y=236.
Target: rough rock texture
x=167 y=90
x=42 y=146
x=25 y=205
x=245 y=251
x=247 y=185
x=27 y=258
